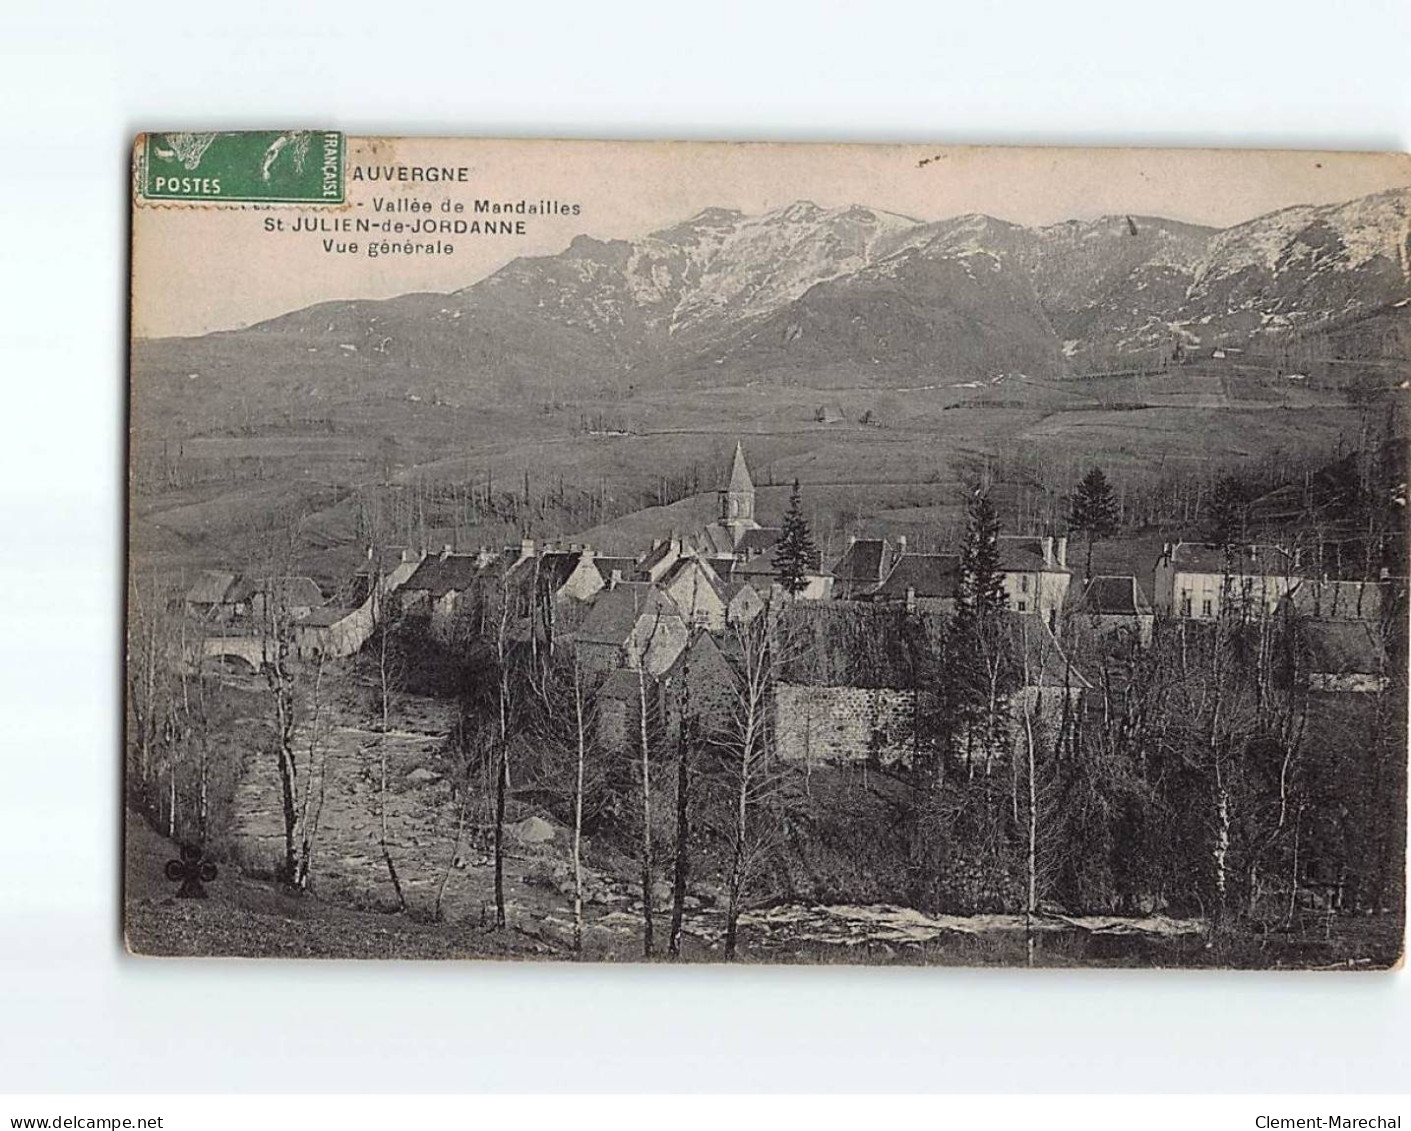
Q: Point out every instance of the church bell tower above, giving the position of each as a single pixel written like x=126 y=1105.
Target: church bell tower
x=737 y=500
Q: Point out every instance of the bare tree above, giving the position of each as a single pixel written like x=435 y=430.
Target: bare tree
x=681 y=868
x=761 y=647
x=502 y=751
x=147 y=668
x=469 y=749
x=386 y=679
x=580 y=728
x=296 y=694
x=1037 y=649
x=645 y=781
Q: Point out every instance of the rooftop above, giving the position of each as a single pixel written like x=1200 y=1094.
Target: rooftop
x=663 y=551
x=556 y=567
x=1337 y=600
x=759 y=540
x=1023 y=553
x=1207 y=557
x=454 y=573
x=923 y=575
x=1114 y=595
x=615 y=612
x=740 y=474
x=210 y=587
x=686 y=564
x=605 y=565
x=1337 y=647
x=865 y=560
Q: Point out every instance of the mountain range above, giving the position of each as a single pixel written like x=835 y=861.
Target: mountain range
x=847 y=297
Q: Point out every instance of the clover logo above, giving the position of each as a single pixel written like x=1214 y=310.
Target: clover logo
x=191 y=872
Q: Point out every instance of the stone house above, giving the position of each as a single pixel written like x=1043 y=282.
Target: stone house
x=921 y=582
x=700 y=683
x=1322 y=599
x=617 y=709
x=565 y=575
x=336 y=631
x=442 y=588
x=207 y=598
x=1036 y=574
x=758 y=572
x=696 y=590
x=563 y=584
x=253 y=596
x=1115 y=604
x=394 y=565
x=1342 y=656
x=1196 y=580
x=743 y=603
x=629 y=626
x=863 y=566
x=664 y=554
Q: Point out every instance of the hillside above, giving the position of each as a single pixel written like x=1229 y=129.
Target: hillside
x=817 y=297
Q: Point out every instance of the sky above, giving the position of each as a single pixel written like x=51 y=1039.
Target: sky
x=201 y=268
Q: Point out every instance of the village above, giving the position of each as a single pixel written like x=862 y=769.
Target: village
x=943 y=711
x=619 y=614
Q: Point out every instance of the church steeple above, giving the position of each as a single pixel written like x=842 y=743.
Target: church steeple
x=737 y=500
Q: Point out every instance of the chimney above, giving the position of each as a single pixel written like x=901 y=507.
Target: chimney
x=445 y=551
x=1062 y=551
x=589 y=554
x=526 y=548
x=614 y=579
x=901 y=544
x=1047 y=544
x=910 y=599
x=852 y=540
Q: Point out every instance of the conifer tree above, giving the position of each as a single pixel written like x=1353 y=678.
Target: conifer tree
x=1094 y=512
x=1225 y=516
x=981 y=579
x=980 y=644
x=796 y=555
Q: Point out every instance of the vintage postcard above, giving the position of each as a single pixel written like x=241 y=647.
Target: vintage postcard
x=767 y=553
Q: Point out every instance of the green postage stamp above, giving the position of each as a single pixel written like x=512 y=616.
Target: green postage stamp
x=262 y=166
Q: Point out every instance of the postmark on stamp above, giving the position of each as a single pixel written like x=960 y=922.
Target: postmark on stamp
x=267 y=166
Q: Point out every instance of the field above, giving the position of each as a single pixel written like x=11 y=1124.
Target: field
x=202 y=493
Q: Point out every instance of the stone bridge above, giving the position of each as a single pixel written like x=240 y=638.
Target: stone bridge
x=248 y=649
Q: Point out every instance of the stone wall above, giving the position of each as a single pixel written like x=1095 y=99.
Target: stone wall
x=820 y=724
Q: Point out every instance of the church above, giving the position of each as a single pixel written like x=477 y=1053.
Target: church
x=737 y=546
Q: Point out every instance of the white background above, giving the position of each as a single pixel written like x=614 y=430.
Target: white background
x=77 y=80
